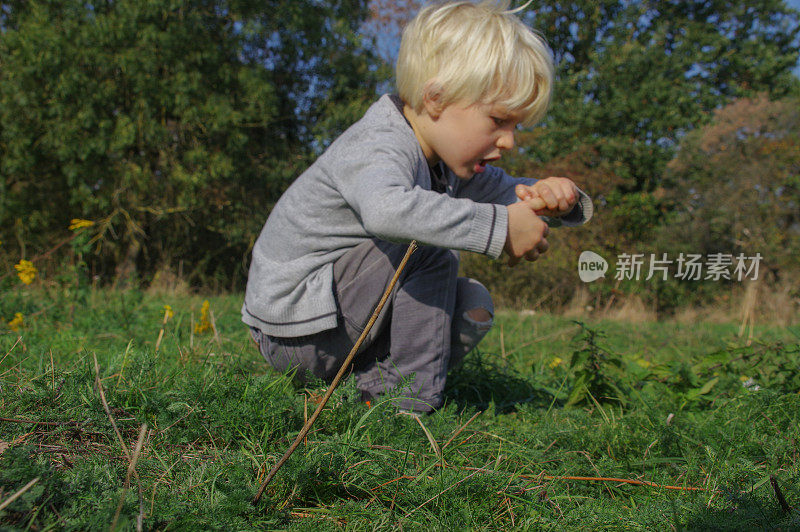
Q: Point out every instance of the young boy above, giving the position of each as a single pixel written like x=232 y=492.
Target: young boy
x=414 y=167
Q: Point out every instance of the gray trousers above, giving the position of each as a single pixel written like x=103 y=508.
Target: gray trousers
x=423 y=330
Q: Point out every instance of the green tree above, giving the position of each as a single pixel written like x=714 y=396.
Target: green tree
x=172 y=124
x=635 y=76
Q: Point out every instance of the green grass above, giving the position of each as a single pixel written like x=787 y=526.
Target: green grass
x=660 y=402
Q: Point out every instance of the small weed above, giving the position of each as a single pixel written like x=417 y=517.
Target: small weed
x=597 y=371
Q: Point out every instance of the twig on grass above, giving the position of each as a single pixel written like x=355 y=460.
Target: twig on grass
x=431 y=439
x=163 y=327
x=623 y=481
x=46 y=423
x=779 y=495
x=539 y=478
x=52 y=373
x=401 y=477
x=461 y=429
x=19 y=339
x=131 y=470
x=411 y=248
x=107 y=409
x=214 y=327
x=19 y=493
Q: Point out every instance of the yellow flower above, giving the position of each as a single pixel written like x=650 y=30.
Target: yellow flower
x=555 y=363
x=744 y=378
x=79 y=223
x=643 y=363
x=17 y=323
x=26 y=271
x=204 y=324
x=168 y=312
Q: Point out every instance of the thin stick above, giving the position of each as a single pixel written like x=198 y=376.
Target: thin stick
x=305 y=417
x=131 y=469
x=779 y=495
x=161 y=332
x=633 y=482
x=214 y=327
x=431 y=440
x=47 y=423
x=453 y=437
x=52 y=372
x=108 y=410
x=19 y=339
x=625 y=481
x=18 y=494
x=411 y=248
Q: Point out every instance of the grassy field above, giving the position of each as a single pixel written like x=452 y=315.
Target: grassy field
x=534 y=420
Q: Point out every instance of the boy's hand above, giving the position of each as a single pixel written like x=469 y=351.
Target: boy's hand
x=526 y=232
x=559 y=195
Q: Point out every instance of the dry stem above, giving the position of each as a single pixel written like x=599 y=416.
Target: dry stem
x=411 y=248
x=107 y=409
x=131 y=470
x=19 y=493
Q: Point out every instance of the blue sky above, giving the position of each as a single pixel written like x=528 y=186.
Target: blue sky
x=795 y=4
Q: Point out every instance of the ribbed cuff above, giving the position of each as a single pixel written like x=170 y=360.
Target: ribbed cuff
x=489 y=229
x=581 y=213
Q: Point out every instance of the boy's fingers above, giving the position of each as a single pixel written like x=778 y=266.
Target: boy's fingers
x=523 y=192
x=572 y=198
x=542 y=246
x=532 y=255
x=536 y=203
x=563 y=204
x=550 y=199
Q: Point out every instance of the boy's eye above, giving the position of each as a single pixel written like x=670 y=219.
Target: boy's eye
x=499 y=121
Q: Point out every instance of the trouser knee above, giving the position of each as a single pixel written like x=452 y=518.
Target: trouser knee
x=472 y=319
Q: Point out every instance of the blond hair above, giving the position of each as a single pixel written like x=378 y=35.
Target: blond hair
x=475 y=53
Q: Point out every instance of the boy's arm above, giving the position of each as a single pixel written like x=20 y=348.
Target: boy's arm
x=496 y=186
x=382 y=190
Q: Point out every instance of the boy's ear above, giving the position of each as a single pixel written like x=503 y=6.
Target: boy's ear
x=432 y=96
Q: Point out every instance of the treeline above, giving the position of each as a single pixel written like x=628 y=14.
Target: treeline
x=171 y=127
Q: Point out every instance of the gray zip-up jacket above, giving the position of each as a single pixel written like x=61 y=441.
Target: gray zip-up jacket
x=373 y=181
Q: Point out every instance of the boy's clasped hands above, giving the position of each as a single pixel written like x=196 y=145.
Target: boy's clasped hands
x=527 y=232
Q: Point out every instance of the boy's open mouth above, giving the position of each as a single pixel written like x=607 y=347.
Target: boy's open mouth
x=481 y=165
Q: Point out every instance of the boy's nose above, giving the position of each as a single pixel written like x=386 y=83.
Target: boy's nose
x=506 y=140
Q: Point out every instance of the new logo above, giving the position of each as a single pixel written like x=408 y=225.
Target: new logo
x=591 y=266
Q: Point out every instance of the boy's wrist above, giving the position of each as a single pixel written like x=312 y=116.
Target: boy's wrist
x=490 y=228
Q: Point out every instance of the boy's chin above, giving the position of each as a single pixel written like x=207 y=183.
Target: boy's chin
x=465 y=174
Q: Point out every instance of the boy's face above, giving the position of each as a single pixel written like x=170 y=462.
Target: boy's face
x=468 y=136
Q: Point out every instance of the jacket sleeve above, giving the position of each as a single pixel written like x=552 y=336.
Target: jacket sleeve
x=387 y=191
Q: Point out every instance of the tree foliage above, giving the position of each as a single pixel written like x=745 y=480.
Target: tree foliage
x=173 y=125
x=634 y=76
x=735 y=184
